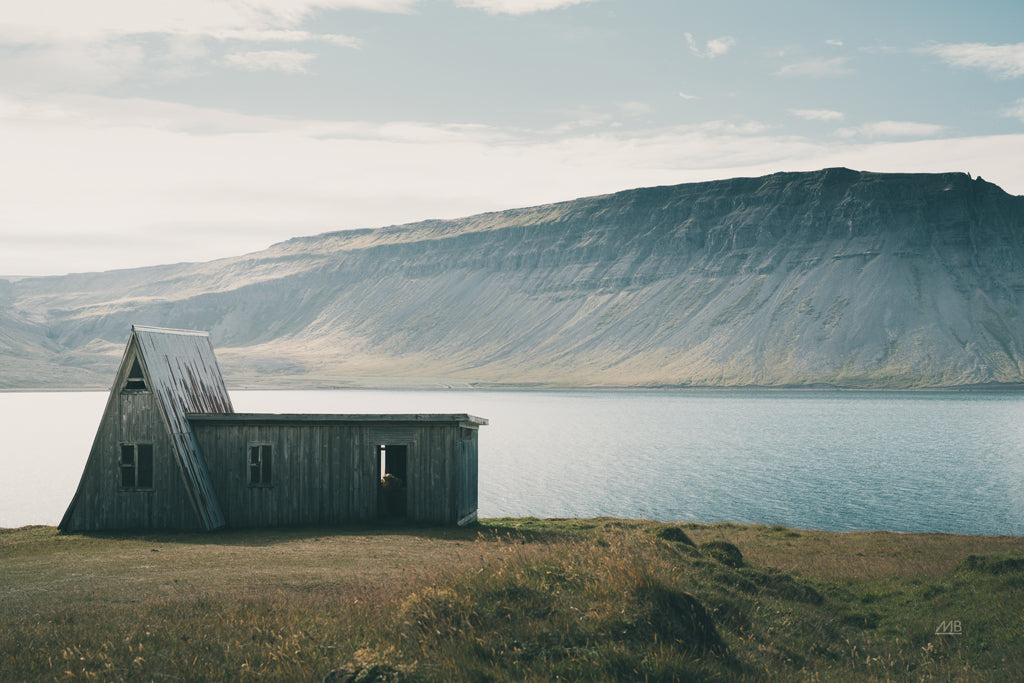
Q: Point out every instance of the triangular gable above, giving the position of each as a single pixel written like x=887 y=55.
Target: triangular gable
x=181 y=370
x=183 y=374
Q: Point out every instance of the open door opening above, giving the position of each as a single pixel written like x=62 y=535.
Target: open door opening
x=392 y=501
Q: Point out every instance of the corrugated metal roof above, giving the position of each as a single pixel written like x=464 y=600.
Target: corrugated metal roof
x=297 y=418
x=184 y=376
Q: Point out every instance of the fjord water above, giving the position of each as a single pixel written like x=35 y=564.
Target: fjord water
x=838 y=461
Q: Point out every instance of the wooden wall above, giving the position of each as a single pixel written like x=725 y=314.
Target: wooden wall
x=466 y=475
x=327 y=472
x=326 y=468
x=100 y=503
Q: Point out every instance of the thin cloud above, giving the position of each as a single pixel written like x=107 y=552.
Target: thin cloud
x=1016 y=111
x=47 y=21
x=285 y=36
x=287 y=61
x=687 y=96
x=517 y=6
x=138 y=167
x=1006 y=61
x=69 y=66
x=817 y=68
x=597 y=118
x=635 y=108
x=817 y=114
x=68 y=45
x=834 y=43
x=716 y=47
x=730 y=128
x=893 y=129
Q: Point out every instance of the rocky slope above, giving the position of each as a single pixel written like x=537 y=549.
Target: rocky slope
x=834 y=277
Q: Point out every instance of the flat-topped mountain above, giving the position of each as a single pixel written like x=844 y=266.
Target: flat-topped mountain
x=834 y=277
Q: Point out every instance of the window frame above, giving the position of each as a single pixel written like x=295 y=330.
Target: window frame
x=135 y=384
x=141 y=465
x=264 y=462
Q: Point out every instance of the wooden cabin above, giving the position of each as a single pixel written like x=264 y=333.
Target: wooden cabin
x=171 y=453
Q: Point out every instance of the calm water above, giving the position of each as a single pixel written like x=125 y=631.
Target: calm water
x=824 y=460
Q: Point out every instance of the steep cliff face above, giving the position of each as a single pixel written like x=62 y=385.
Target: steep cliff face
x=833 y=277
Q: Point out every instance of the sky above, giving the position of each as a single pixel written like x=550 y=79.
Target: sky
x=137 y=133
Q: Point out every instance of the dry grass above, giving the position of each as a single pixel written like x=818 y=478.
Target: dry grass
x=130 y=568
x=520 y=599
x=859 y=555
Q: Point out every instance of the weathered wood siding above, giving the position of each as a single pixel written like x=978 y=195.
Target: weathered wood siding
x=327 y=471
x=325 y=468
x=466 y=475
x=100 y=503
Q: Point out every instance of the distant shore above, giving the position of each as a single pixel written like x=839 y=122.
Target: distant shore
x=436 y=384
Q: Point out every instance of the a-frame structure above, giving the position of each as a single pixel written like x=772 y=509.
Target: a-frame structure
x=145 y=470
x=171 y=453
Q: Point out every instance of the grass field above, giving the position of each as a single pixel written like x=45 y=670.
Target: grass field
x=511 y=599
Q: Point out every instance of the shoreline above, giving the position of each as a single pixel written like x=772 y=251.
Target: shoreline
x=525 y=522
x=431 y=384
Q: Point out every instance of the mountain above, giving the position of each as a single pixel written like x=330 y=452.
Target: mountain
x=835 y=277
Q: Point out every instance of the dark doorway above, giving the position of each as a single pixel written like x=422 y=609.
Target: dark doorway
x=393 y=461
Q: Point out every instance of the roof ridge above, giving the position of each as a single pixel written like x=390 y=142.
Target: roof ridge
x=168 y=330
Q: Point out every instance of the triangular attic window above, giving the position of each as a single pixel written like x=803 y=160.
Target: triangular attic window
x=136 y=380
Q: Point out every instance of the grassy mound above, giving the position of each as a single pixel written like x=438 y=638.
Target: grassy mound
x=563 y=611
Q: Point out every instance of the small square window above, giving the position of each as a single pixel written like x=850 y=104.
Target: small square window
x=136 y=466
